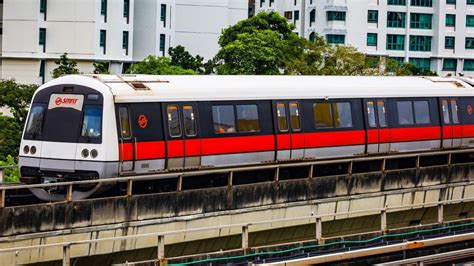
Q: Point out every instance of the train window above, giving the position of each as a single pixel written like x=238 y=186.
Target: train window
x=371 y=113
x=322 y=115
x=224 y=119
x=342 y=115
x=189 y=121
x=35 y=121
x=445 y=110
x=247 y=118
x=295 y=116
x=422 y=112
x=282 y=117
x=124 y=123
x=454 y=111
x=382 y=113
x=405 y=113
x=92 y=122
x=173 y=121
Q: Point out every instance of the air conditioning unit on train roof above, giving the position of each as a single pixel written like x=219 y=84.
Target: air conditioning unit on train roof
x=453 y=81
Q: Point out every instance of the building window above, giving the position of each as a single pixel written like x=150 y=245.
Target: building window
x=423 y=3
x=42 y=38
x=420 y=43
x=296 y=16
x=395 y=42
x=469 y=43
x=41 y=71
x=103 y=39
x=262 y=2
x=288 y=15
x=449 y=42
x=468 y=65
x=469 y=21
x=271 y=2
x=396 y=19
x=451 y=2
x=125 y=41
x=312 y=37
x=396 y=2
x=163 y=15
x=420 y=21
x=126 y=9
x=312 y=17
x=470 y=2
x=43 y=6
x=103 y=7
x=162 y=43
x=336 y=16
x=450 y=64
x=371 y=39
x=421 y=63
x=450 y=20
x=335 y=38
x=373 y=16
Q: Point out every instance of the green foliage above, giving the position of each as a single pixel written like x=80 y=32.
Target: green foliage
x=66 y=66
x=12 y=175
x=182 y=58
x=154 y=65
x=10 y=137
x=101 y=67
x=393 y=67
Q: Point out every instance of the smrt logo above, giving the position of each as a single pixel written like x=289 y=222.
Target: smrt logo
x=60 y=101
x=142 y=121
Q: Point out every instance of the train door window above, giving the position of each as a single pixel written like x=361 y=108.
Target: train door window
x=405 y=113
x=124 y=123
x=371 y=113
x=224 y=119
x=173 y=121
x=35 y=121
x=189 y=121
x=422 y=112
x=382 y=115
x=342 y=115
x=445 y=110
x=247 y=118
x=282 y=117
x=322 y=115
x=295 y=116
x=92 y=122
x=455 y=111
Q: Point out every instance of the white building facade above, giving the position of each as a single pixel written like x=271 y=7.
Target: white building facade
x=34 y=33
x=431 y=34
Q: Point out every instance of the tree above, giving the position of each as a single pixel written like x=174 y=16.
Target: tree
x=66 y=66
x=10 y=137
x=182 y=58
x=393 y=67
x=154 y=65
x=101 y=67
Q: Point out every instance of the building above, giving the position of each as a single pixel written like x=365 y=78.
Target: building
x=34 y=33
x=431 y=34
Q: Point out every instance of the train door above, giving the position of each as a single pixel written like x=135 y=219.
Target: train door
x=377 y=132
x=450 y=123
x=183 y=144
x=290 y=141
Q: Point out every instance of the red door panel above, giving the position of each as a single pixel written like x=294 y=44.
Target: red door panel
x=192 y=147
x=175 y=148
x=283 y=141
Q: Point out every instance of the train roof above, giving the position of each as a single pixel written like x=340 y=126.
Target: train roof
x=146 y=88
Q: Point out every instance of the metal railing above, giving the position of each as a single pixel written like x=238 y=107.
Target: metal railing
x=245 y=228
x=230 y=172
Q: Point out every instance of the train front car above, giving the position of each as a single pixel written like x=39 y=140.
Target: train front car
x=70 y=135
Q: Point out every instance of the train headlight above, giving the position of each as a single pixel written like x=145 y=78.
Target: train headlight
x=85 y=153
x=94 y=153
x=33 y=150
x=26 y=149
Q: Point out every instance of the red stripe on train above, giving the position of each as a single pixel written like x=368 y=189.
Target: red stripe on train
x=237 y=144
x=144 y=150
x=338 y=138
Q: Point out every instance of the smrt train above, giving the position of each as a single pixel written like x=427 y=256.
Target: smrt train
x=97 y=126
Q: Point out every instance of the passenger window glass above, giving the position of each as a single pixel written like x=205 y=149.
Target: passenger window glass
x=422 y=112
x=282 y=117
x=92 y=122
x=247 y=118
x=455 y=111
x=224 y=119
x=445 y=110
x=382 y=114
x=124 y=123
x=295 y=117
x=342 y=115
x=322 y=115
x=189 y=121
x=35 y=121
x=371 y=114
x=173 y=121
x=405 y=113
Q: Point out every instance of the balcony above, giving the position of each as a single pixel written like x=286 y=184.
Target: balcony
x=336 y=5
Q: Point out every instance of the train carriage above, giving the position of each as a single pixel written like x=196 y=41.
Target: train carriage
x=97 y=126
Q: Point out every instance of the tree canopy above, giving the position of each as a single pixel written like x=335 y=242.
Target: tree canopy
x=182 y=58
x=154 y=65
x=66 y=66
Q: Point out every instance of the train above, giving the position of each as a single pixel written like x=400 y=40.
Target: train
x=82 y=127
